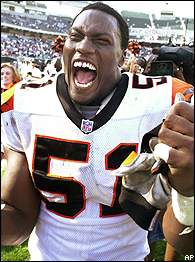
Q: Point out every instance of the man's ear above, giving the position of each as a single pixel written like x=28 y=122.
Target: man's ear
x=122 y=58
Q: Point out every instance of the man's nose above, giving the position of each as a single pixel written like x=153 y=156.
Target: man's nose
x=85 y=46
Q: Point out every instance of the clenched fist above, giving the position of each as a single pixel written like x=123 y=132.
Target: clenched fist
x=177 y=131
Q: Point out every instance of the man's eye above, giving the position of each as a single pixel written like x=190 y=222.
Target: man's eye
x=75 y=37
x=102 y=41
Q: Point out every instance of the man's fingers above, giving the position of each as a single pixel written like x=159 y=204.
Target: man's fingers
x=179 y=124
x=174 y=158
x=183 y=109
x=175 y=139
x=178 y=158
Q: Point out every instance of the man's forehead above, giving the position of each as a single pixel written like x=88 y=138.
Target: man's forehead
x=95 y=17
x=96 y=22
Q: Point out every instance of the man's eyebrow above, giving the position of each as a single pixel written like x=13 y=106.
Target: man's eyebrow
x=75 y=29
x=94 y=34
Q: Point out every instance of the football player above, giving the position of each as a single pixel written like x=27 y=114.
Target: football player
x=65 y=138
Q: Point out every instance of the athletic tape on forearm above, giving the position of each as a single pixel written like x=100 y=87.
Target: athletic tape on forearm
x=183 y=208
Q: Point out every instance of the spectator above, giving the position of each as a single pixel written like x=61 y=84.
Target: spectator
x=9 y=77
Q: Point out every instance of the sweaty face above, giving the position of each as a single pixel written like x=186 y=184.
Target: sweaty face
x=92 y=53
x=6 y=76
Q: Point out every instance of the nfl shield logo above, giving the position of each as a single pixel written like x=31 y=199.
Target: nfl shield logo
x=86 y=126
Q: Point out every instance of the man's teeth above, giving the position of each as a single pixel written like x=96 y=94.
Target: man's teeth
x=84 y=65
x=83 y=85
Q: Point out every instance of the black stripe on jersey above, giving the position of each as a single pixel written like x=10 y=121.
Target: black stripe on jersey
x=137 y=207
x=103 y=116
x=149 y=82
x=146 y=138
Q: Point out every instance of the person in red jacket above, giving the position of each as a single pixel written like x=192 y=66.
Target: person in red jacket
x=9 y=77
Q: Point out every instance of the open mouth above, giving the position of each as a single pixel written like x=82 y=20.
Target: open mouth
x=84 y=73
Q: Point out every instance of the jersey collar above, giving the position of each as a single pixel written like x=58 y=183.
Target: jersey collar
x=101 y=117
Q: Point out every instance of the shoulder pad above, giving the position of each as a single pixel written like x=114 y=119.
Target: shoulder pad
x=33 y=82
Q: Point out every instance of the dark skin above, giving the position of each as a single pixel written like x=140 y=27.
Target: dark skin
x=177 y=131
x=184 y=244
x=19 y=215
x=92 y=41
x=94 y=38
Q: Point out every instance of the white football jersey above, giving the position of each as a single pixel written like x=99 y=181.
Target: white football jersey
x=70 y=159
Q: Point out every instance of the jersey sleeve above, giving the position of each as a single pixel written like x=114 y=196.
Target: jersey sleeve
x=9 y=132
x=179 y=86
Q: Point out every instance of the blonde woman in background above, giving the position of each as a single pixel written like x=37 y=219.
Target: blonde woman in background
x=9 y=77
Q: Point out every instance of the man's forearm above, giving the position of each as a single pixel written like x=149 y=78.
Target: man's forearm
x=172 y=228
x=15 y=227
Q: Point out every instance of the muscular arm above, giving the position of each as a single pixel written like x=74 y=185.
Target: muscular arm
x=21 y=199
x=177 y=131
x=171 y=228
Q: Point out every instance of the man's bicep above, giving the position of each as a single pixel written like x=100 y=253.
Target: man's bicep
x=17 y=187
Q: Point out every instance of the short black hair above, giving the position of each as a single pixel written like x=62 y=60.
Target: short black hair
x=124 y=30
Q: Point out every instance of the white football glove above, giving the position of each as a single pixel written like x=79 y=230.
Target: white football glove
x=143 y=194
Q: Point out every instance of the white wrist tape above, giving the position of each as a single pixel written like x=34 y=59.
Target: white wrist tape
x=183 y=208
x=2 y=206
x=161 y=151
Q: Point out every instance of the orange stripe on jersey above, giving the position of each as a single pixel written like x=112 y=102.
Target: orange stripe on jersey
x=182 y=87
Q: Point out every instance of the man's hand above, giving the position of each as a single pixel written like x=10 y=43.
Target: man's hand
x=177 y=131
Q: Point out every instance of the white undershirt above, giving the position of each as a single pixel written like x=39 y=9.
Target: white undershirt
x=91 y=111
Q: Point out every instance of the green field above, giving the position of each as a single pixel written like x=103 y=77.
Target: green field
x=18 y=253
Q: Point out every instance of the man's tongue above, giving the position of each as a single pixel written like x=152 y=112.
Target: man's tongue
x=84 y=77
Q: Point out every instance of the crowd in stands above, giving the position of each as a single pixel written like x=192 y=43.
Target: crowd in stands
x=141 y=27
x=17 y=46
x=50 y=24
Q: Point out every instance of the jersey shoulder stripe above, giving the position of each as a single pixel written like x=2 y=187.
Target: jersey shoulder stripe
x=37 y=97
x=179 y=86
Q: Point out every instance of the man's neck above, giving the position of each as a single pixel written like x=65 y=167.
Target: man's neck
x=90 y=110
